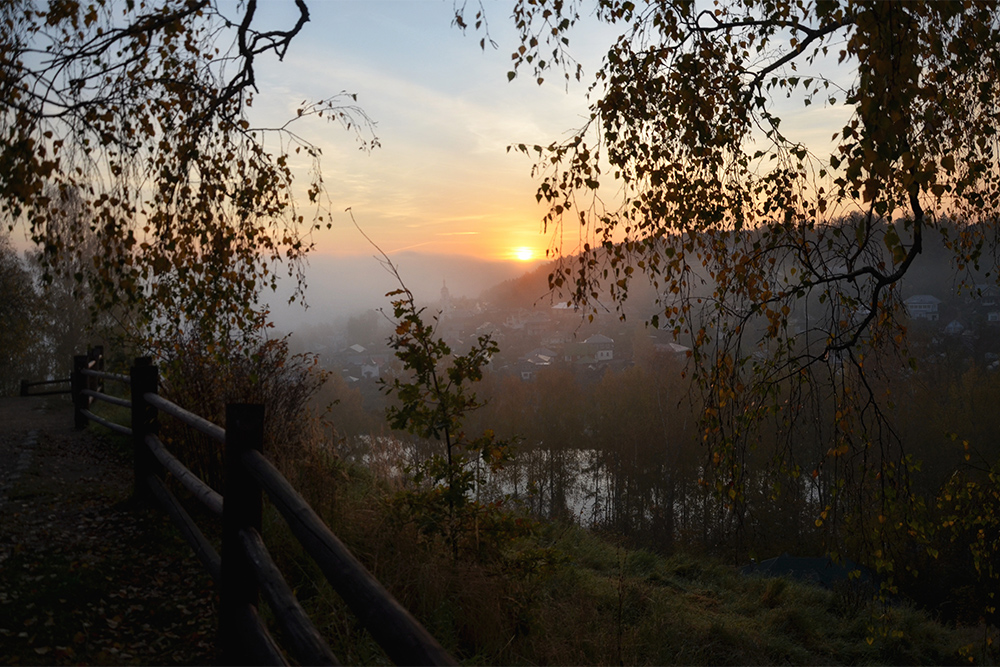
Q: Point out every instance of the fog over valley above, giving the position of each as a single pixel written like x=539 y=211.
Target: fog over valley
x=340 y=287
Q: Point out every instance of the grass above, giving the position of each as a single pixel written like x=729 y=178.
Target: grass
x=599 y=603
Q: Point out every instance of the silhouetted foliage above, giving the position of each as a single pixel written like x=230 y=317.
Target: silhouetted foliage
x=138 y=113
x=21 y=353
x=780 y=267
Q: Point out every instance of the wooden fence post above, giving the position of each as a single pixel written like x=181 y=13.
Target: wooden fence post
x=78 y=382
x=24 y=387
x=145 y=380
x=241 y=509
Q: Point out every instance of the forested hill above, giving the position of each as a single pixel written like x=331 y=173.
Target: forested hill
x=937 y=272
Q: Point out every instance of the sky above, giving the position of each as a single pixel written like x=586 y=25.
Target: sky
x=442 y=181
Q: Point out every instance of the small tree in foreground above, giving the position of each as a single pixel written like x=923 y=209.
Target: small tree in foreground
x=433 y=403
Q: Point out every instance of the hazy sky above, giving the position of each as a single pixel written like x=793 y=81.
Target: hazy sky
x=442 y=181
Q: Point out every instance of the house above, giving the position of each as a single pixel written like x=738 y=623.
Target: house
x=604 y=347
x=954 y=328
x=672 y=348
x=987 y=295
x=525 y=370
x=665 y=342
x=370 y=369
x=355 y=355
x=541 y=356
x=923 y=307
x=985 y=301
x=529 y=365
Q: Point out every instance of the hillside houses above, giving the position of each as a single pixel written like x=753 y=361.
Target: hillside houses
x=533 y=339
x=978 y=307
x=962 y=325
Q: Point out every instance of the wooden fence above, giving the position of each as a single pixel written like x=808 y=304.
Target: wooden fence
x=93 y=360
x=245 y=572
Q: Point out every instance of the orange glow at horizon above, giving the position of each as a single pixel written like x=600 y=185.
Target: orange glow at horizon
x=504 y=237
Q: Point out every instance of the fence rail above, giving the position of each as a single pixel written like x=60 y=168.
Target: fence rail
x=26 y=387
x=113 y=400
x=209 y=497
x=308 y=644
x=101 y=375
x=191 y=419
x=396 y=631
x=245 y=571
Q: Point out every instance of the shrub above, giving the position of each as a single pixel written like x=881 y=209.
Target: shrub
x=200 y=378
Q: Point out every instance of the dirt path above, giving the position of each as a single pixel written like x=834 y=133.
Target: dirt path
x=86 y=577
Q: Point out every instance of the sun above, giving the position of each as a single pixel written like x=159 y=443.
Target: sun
x=523 y=254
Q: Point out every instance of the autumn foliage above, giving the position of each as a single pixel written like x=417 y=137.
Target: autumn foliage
x=137 y=114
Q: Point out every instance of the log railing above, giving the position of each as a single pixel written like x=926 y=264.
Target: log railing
x=92 y=360
x=26 y=387
x=245 y=571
